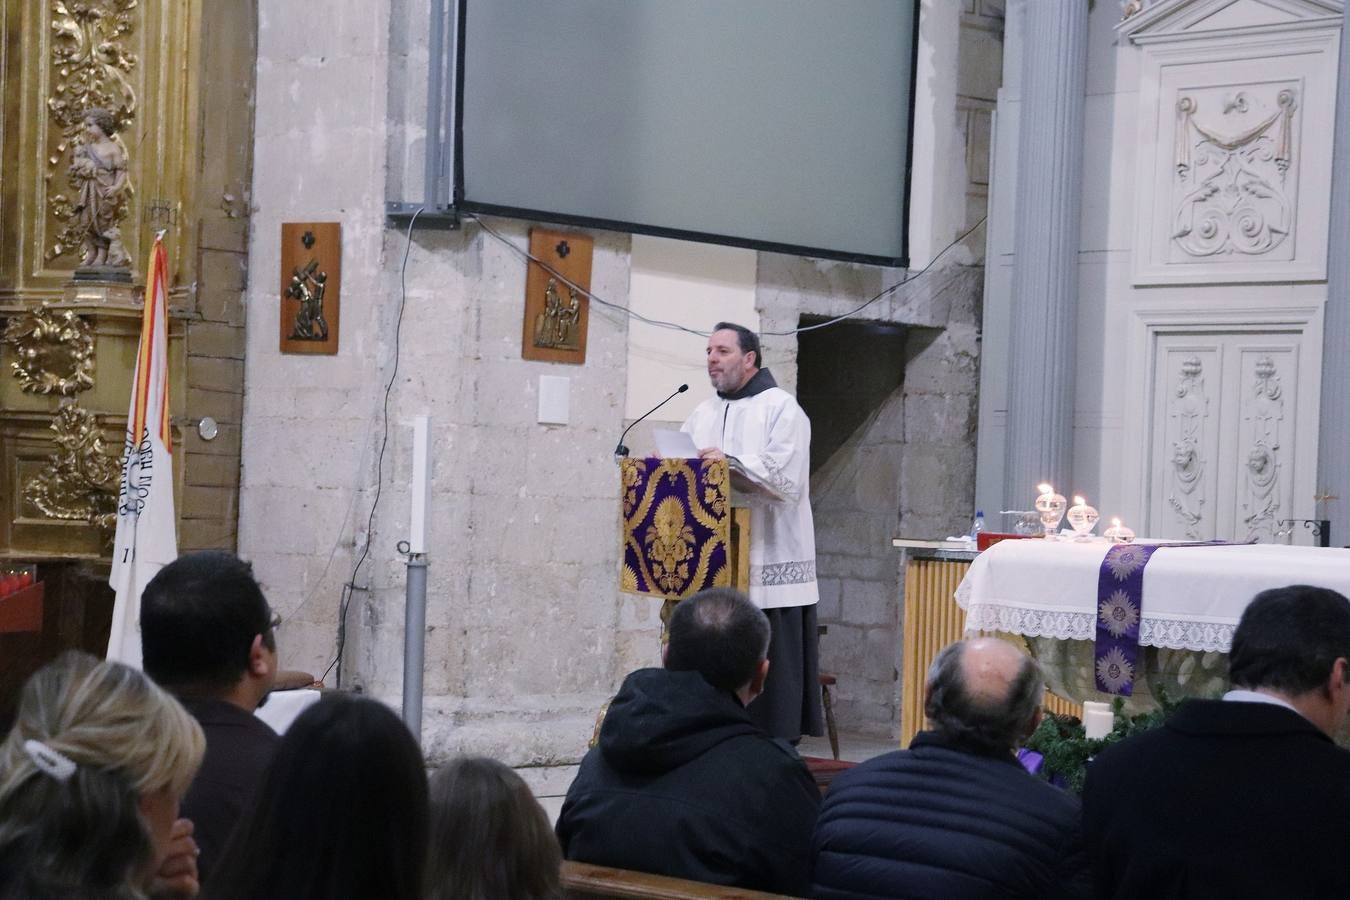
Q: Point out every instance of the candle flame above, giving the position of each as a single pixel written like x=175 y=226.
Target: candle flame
x=1045 y=489
x=1115 y=522
x=1080 y=501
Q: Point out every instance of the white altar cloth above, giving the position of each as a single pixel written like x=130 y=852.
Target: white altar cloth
x=1192 y=596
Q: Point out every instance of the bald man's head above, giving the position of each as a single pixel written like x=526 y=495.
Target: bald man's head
x=984 y=694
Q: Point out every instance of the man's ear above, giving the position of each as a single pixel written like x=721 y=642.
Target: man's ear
x=757 y=680
x=1335 y=686
x=259 y=663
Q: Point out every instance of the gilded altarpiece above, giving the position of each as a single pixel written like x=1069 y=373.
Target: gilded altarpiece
x=67 y=347
x=134 y=58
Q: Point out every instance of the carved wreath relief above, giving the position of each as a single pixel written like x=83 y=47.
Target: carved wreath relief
x=1233 y=158
x=1264 y=411
x=54 y=351
x=1188 y=408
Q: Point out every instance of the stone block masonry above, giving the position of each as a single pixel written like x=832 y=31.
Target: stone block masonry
x=527 y=635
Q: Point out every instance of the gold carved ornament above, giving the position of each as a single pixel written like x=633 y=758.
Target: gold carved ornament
x=81 y=479
x=90 y=63
x=54 y=351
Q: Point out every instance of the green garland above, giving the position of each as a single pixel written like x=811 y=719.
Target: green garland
x=1067 y=749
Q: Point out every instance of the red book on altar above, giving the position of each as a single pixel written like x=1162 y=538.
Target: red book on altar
x=986 y=539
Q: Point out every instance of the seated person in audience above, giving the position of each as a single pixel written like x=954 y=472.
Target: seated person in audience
x=90 y=780
x=682 y=782
x=206 y=636
x=489 y=836
x=341 y=813
x=1245 y=796
x=955 y=815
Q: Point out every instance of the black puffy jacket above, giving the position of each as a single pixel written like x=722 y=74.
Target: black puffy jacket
x=684 y=784
x=938 y=821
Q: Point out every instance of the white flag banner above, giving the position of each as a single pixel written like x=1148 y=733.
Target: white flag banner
x=145 y=541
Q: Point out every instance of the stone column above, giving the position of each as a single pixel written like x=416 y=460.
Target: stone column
x=1333 y=443
x=1045 y=278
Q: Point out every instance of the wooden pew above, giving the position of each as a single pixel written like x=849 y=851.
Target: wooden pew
x=583 y=881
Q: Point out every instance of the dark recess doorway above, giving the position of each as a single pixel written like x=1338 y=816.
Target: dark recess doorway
x=844 y=373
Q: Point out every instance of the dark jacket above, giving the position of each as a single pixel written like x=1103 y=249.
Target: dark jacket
x=684 y=784
x=1227 y=799
x=941 y=821
x=239 y=748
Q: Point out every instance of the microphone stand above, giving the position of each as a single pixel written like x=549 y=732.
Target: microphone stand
x=620 y=451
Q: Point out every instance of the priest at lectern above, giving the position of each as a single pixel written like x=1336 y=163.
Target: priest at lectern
x=766 y=438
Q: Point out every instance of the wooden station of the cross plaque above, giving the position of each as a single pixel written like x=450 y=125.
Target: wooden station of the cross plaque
x=557 y=313
x=311 y=281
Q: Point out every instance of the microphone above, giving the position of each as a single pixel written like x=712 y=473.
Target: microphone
x=620 y=450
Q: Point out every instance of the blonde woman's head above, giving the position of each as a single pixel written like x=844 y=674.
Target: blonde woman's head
x=90 y=778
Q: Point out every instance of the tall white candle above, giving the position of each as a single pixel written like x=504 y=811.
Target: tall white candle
x=417 y=529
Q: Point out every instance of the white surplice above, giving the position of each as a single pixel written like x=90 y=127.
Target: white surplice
x=768 y=438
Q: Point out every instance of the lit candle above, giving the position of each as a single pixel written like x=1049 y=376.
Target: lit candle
x=1118 y=533
x=1082 y=518
x=1051 y=507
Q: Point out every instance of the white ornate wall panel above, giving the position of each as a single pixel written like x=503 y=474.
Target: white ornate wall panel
x=1236 y=99
x=1229 y=448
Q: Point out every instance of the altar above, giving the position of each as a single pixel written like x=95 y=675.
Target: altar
x=1046 y=593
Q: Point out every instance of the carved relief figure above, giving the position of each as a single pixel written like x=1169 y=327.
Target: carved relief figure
x=1233 y=197
x=1262 y=500
x=1188 y=410
x=308 y=285
x=91 y=67
x=558 y=325
x=99 y=174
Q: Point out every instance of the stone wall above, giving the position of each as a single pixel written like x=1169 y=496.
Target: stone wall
x=908 y=469
x=527 y=634
x=209 y=512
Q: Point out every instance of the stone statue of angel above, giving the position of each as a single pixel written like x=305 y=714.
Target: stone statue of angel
x=99 y=172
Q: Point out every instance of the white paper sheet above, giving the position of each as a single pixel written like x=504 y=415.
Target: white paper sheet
x=674 y=444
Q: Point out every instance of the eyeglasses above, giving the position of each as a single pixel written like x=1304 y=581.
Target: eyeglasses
x=274 y=620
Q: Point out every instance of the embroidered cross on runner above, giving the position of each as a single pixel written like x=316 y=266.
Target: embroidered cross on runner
x=1120 y=604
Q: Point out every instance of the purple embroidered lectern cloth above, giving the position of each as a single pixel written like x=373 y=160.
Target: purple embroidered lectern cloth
x=676 y=523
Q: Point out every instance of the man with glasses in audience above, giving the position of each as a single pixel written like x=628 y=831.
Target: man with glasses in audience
x=207 y=636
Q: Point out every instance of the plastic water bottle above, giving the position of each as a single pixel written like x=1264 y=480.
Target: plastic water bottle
x=976 y=527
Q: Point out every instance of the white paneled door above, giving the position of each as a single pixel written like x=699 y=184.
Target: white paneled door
x=1225 y=456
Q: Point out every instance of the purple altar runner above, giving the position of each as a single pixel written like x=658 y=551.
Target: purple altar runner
x=1120 y=595
x=676 y=520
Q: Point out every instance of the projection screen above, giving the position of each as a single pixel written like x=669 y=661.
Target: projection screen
x=777 y=124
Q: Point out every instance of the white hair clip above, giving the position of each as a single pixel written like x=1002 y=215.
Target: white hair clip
x=57 y=765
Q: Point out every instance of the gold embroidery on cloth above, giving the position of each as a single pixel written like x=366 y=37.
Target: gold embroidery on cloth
x=668 y=549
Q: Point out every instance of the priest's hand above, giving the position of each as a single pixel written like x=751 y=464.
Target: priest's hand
x=711 y=453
